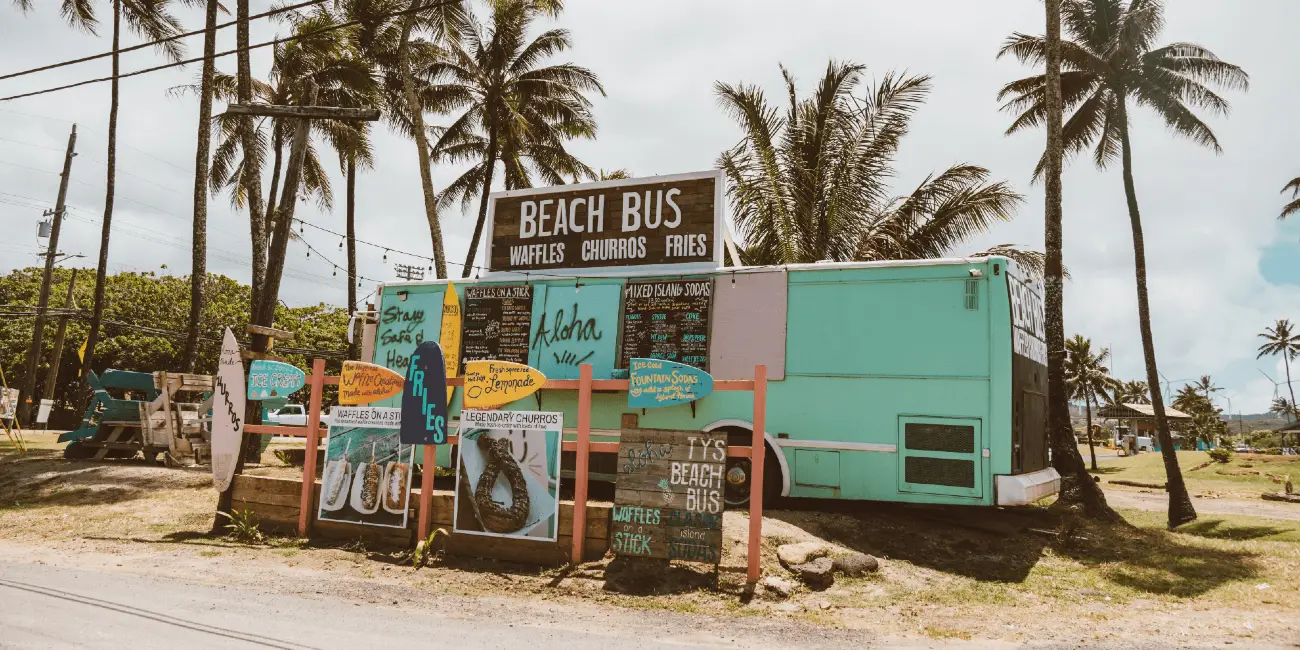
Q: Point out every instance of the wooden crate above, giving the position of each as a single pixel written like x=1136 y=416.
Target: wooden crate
x=276 y=500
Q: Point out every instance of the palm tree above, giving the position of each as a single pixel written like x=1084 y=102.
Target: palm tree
x=810 y=183
x=1294 y=206
x=1110 y=57
x=1130 y=392
x=199 y=263
x=1205 y=385
x=1087 y=379
x=1281 y=339
x=514 y=111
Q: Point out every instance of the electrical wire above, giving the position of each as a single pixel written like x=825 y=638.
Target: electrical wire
x=276 y=41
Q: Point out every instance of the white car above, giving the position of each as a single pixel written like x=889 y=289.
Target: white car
x=293 y=415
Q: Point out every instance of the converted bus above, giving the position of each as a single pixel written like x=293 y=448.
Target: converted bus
x=917 y=381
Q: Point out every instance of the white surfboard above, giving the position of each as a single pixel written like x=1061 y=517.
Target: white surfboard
x=227 y=413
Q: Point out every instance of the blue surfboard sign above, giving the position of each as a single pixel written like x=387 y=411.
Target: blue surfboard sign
x=657 y=382
x=424 y=397
x=273 y=379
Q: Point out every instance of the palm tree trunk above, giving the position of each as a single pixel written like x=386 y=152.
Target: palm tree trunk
x=1077 y=487
x=1287 y=364
x=251 y=174
x=101 y=272
x=416 y=108
x=199 y=261
x=277 y=163
x=1181 y=510
x=482 y=204
x=354 y=351
x=283 y=220
x=1087 y=409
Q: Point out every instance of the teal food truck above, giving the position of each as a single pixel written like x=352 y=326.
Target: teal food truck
x=917 y=381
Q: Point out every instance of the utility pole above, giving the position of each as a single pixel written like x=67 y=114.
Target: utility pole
x=409 y=272
x=52 y=377
x=34 y=352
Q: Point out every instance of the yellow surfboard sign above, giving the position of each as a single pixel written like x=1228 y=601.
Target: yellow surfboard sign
x=365 y=383
x=489 y=384
x=449 y=338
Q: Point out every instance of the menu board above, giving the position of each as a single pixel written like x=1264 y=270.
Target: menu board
x=666 y=320
x=497 y=321
x=669 y=496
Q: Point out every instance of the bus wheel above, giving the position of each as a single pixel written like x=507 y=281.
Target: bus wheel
x=737 y=476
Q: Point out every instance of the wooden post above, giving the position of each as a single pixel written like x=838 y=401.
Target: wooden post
x=313 y=442
x=580 y=468
x=426 y=489
x=757 y=453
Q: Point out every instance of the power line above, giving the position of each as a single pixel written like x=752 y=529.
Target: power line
x=218 y=55
x=160 y=41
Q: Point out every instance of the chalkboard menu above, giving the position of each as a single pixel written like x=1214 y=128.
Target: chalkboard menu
x=666 y=320
x=497 y=320
x=668 y=498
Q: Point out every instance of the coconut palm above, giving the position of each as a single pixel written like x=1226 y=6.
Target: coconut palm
x=199 y=235
x=1110 y=58
x=1294 y=206
x=810 y=183
x=1281 y=340
x=1129 y=392
x=513 y=109
x=1087 y=378
x=1205 y=385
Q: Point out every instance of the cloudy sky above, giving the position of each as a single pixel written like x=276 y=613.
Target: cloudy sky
x=1222 y=267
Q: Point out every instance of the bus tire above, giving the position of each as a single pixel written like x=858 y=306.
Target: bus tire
x=736 y=495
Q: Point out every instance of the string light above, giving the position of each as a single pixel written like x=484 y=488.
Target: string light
x=340 y=244
x=336 y=271
x=385 y=254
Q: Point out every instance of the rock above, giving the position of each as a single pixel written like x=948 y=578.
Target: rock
x=792 y=555
x=789 y=607
x=818 y=574
x=824 y=605
x=855 y=565
x=779 y=587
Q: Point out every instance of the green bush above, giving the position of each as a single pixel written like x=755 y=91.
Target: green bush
x=1220 y=454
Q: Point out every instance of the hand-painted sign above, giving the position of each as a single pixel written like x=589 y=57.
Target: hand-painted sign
x=424 y=398
x=1027 y=320
x=579 y=325
x=658 y=220
x=489 y=384
x=667 y=320
x=655 y=382
x=497 y=320
x=227 y=412
x=268 y=379
x=669 y=495
x=365 y=383
x=449 y=338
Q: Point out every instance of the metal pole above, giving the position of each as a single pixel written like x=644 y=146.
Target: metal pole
x=38 y=330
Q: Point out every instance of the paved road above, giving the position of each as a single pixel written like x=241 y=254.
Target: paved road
x=47 y=607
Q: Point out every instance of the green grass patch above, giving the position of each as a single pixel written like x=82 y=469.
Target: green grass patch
x=1246 y=475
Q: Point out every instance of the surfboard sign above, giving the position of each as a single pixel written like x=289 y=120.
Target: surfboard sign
x=270 y=379
x=366 y=383
x=449 y=337
x=657 y=382
x=424 y=398
x=227 y=413
x=489 y=384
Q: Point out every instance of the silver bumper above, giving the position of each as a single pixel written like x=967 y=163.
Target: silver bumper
x=1024 y=489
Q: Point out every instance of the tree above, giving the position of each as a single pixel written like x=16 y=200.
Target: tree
x=1087 y=379
x=1110 y=57
x=1207 y=423
x=514 y=111
x=811 y=183
x=1294 y=206
x=1130 y=392
x=414 y=110
x=1206 y=387
x=1281 y=340
x=199 y=262
x=150 y=20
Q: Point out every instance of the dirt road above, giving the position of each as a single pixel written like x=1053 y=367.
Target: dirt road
x=1158 y=501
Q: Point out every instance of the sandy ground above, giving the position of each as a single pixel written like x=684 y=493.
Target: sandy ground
x=1159 y=501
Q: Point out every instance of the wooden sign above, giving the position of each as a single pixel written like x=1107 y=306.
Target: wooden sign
x=667 y=320
x=366 y=383
x=449 y=337
x=227 y=412
x=497 y=323
x=273 y=379
x=658 y=220
x=424 y=398
x=489 y=384
x=668 y=499
x=655 y=382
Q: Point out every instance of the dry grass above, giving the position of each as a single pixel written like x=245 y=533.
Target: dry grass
x=937 y=579
x=1245 y=476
